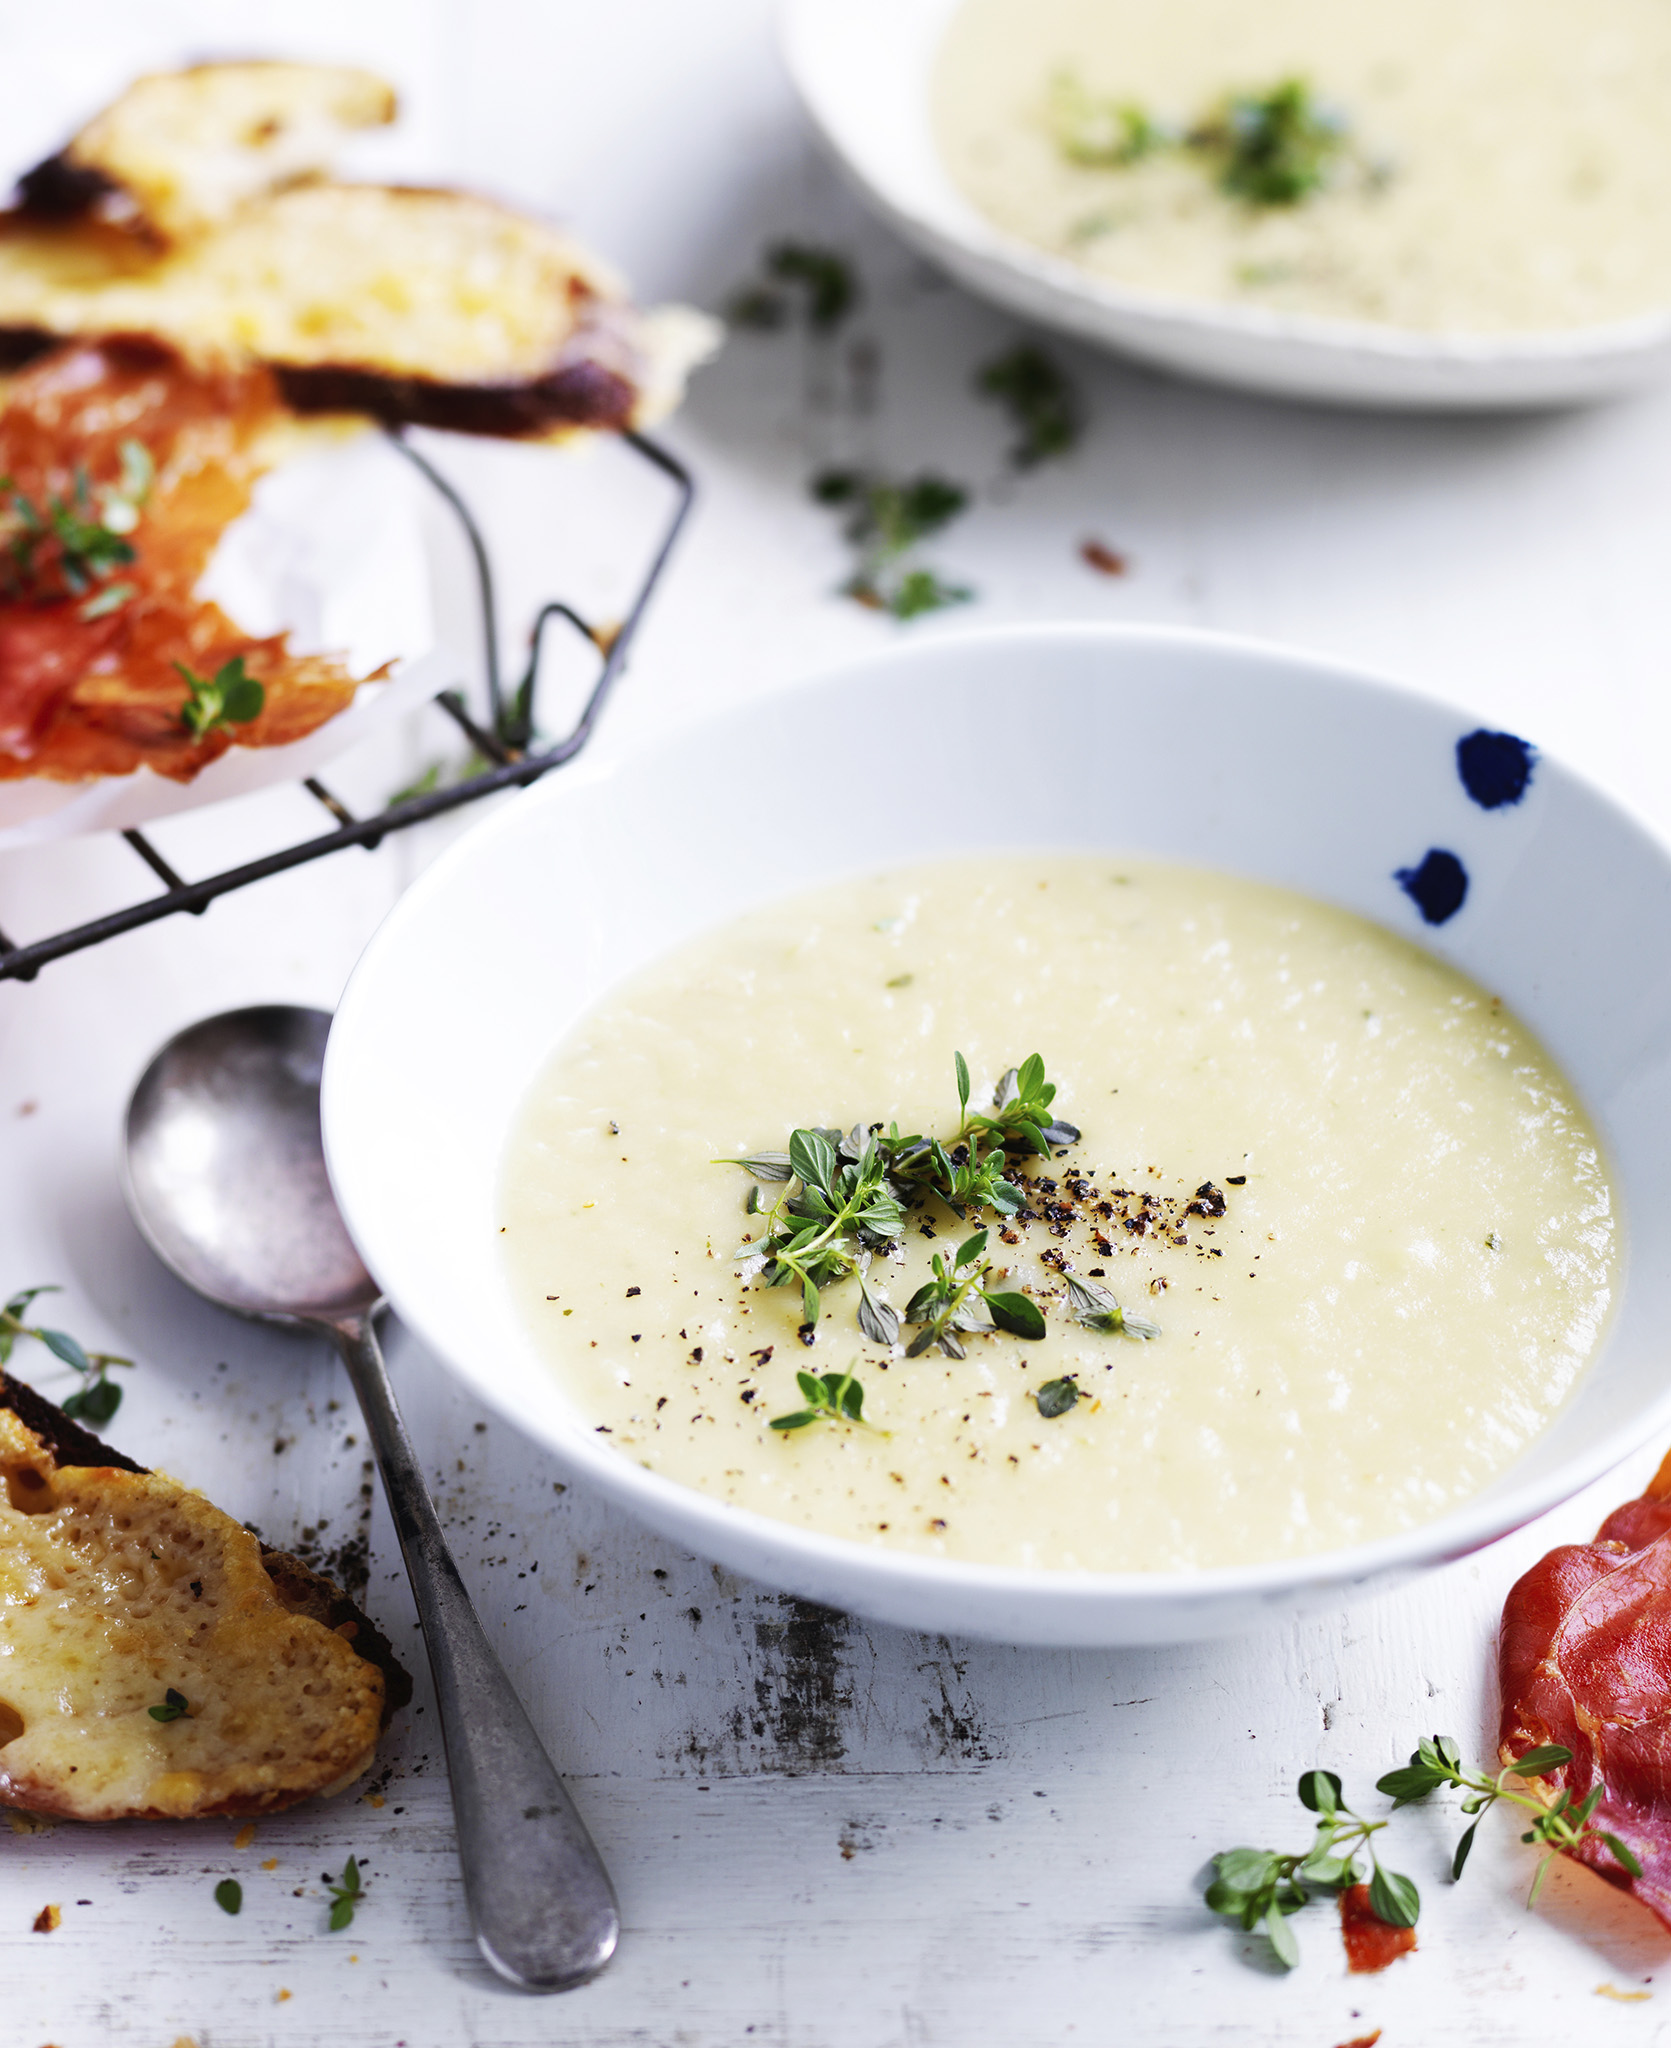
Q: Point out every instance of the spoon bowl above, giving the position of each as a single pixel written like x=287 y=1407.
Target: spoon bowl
x=225 y=1175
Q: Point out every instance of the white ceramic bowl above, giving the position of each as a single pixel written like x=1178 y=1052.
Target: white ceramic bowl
x=862 y=68
x=1177 y=744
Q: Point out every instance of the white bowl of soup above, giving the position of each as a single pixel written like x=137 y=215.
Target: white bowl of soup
x=1340 y=1250
x=1348 y=201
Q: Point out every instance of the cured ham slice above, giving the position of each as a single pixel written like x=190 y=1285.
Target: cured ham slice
x=1584 y=1661
x=88 y=679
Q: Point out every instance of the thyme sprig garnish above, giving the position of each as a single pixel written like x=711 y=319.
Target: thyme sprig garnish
x=1260 y=1888
x=345 y=1896
x=1561 y=1824
x=830 y=1397
x=1274 y=147
x=232 y=696
x=845 y=1204
x=950 y=1303
x=854 y=1191
x=887 y=520
x=98 y=1397
x=69 y=546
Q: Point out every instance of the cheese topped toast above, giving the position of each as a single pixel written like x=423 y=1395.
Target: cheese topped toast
x=124 y=1592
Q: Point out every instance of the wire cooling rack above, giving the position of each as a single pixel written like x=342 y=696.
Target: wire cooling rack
x=506 y=741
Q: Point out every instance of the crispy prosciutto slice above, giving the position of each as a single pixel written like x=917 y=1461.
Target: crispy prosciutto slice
x=1584 y=1660
x=98 y=599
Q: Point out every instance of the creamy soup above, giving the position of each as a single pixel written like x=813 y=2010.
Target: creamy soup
x=1507 y=163
x=1368 y=1219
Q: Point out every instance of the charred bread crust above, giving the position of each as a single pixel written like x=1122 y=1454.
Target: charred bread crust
x=68 y=1442
x=404 y=303
x=305 y=1591
x=301 y=1589
x=577 y=395
x=180 y=151
x=61 y=189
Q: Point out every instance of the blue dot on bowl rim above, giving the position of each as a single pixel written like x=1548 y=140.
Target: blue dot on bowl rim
x=1496 y=767
x=1437 y=887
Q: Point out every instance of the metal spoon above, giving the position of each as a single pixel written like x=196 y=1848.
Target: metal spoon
x=224 y=1172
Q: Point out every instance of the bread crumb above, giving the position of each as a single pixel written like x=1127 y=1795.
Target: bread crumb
x=1624 y=1997
x=244 y=1836
x=47 y=1920
x=374 y=1799
x=279 y=1997
x=271 y=1863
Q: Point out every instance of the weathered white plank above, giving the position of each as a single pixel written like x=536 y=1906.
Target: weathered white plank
x=825 y=1835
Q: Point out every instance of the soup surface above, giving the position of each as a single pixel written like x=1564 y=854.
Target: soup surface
x=1505 y=163
x=1371 y=1223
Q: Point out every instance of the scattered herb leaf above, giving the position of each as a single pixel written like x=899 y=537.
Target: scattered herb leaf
x=1097 y=1309
x=345 y=1896
x=231 y=697
x=1056 y=1397
x=887 y=520
x=1042 y=405
x=822 y=282
x=175 y=1707
x=229 y=1895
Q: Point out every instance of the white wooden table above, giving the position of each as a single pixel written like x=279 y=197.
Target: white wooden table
x=825 y=1835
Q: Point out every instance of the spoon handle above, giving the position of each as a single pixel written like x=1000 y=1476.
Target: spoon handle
x=540 y=1899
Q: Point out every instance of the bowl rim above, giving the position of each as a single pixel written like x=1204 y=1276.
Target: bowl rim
x=954 y=223
x=1472 y=1524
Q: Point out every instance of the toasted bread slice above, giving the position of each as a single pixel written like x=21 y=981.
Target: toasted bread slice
x=437 y=308
x=181 y=151
x=119 y=1588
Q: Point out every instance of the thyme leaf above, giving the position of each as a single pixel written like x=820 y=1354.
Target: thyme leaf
x=1057 y=1397
x=231 y=697
x=175 y=1707
x=1096 y=1309
x=98 y=1397
x=345 y=1895
x=70 y=545
x=229 y=1895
